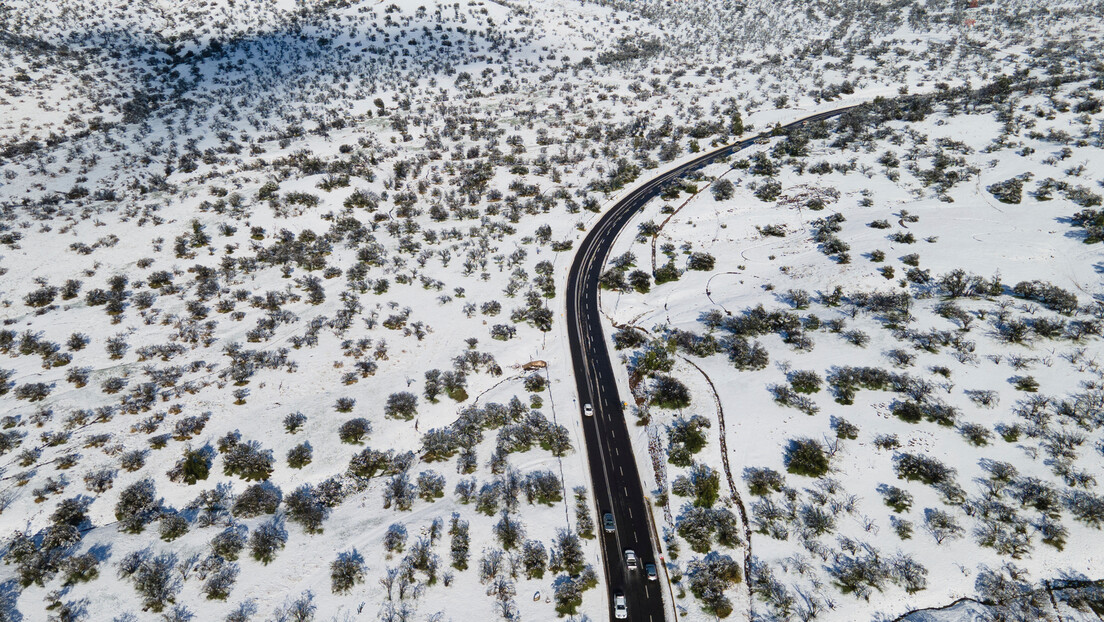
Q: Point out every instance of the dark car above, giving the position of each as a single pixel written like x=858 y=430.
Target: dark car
x=650 y=571
x=607 y=522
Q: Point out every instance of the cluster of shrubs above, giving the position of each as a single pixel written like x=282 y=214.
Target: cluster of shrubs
x=621 y=277
x=686 y=437
x=847 y=380
x=701 y=527
x=1050 y=296
x=520 y=428
x=824 y=233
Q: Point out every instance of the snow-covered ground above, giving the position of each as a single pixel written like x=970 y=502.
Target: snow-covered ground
x=963 y=227
x=216 y=216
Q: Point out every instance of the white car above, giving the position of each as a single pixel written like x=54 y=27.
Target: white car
x=588 y=410
x=630 y=559
x=620 y=609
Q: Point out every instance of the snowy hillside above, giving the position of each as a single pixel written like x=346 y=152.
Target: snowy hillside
x=894 y=326
x=281 y=290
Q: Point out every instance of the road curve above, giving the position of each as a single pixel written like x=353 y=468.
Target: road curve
x=617 y=484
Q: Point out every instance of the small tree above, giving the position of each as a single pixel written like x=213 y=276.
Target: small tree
x=394 y=540
x=195 y=465
x=172 y=526
x=669 y=392
x=431 y=485
x=568 y=550
x=294 y=422
x=156 y=582
x=460 y=547
x=433 y=386
x=509 y=531
x=703 y=484
x=763 y=481
x=220 y=582
x=116 y=346
x=304 y=507
x=346 y=571
x=300 y=455
x=640 y=281
x=137 y=506
x=568 y=595
x=898 y=499
x=229 y=542
x=941 y=525
x=267 y=540
x=709 y=577
x=248 y=461
x=402 y=405
x=534 y=559
x=723 y=189
x=256 y=500
x=701 y=261
x=806 y=457
x=353 y=431
x=805 y=381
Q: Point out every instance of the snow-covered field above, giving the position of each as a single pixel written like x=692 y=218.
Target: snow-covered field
x=270 y=270
x=968 y=376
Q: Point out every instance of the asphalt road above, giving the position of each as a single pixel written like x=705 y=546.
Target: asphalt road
x=617 y=484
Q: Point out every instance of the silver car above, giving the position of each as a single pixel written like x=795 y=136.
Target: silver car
x=630 y=559
x=650 y=571
x=620 y=608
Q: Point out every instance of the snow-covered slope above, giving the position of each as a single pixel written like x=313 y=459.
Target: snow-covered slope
x=219 y=216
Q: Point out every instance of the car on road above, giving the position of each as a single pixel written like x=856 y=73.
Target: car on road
x=650 y=571
x=607 y=522
x=620 y=607
x=588 y=410
x=630 y=559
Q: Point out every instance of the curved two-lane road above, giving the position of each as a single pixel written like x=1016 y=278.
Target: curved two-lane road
x=617 y=484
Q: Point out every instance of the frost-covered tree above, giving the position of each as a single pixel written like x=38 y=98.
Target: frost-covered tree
x=267 y=539
x=300 y=455
x=806 y=457
x=460 y=546
x=256 y=500
x=137 y=506
x=431 y=485
x=534 y=558
x=402 y=405
x=154 y=578
x=941 y=525
x=354 y=430
x=709 y=577
x=346 y=571
x=229 y=542
x=220 y=582
x=304 y=507
x=509 y=531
